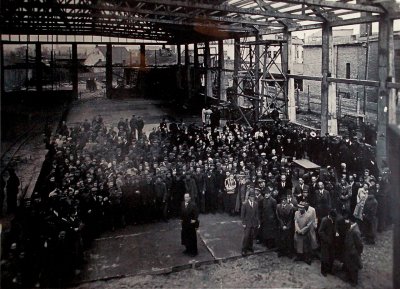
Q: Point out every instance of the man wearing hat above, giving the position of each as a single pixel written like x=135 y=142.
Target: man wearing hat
x=303 y=223
x=250 y=222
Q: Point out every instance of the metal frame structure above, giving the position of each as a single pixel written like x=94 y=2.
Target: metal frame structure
x=191 y=22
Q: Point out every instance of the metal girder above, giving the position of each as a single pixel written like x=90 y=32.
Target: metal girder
x=231 y=9
x=336 y=4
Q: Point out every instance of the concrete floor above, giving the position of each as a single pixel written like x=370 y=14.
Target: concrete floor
x=152 y=111
x=156 y=248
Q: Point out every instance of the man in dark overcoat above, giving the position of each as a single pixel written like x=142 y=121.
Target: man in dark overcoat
x=189 y=217
x=285 y=215
x=326 y=234
x=269 y=221
x=352 y=252
x=250 y=222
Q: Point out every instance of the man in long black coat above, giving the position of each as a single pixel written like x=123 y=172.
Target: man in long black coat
x=250 y=222
x=189 y=217
x=285 y=214
x=12 y=191
x=352 y=252
x=327 y=237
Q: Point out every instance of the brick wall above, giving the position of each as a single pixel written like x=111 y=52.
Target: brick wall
x=312 y=66
x=355 y=55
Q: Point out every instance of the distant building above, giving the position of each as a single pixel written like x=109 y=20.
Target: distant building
x=120 y=57
x=352 y=61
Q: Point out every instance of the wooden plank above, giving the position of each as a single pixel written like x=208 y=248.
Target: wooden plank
x=306 y=164
x=305 y=77
x=372 y=83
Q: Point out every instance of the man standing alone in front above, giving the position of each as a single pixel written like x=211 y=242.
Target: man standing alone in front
x=190 y=223
x=251 y=222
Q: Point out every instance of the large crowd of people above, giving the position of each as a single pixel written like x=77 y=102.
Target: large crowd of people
x=97 y=177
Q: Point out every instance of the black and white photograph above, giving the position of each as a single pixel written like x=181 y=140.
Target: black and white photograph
x=200 y=144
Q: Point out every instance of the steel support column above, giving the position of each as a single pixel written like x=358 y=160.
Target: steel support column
x=328 y=89
x=187 y=72
x=1 y=71
x=221 y=75
x=256 y=103
x=109 y=72
x=196 y=73
x=74 y=71
x=178 y=54
x=207 y=65
x=142 y=64
x=236 y=65
x=38 y=67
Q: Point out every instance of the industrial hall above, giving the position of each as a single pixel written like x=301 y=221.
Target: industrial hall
x=200 y=144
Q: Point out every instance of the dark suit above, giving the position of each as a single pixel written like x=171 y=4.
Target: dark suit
x=298 y=191
x=250 y=221
x=326 y=234
x=312 y=191
x=369 y=218
x=352 y=253
x=188 y=234
x=322 y=203
x=285 y=217
x=283 y=190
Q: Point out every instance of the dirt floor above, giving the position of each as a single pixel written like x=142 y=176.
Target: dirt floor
x=266 y=271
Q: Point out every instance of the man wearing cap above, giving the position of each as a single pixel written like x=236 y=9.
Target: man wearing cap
x=303 y=223
x=250 y=222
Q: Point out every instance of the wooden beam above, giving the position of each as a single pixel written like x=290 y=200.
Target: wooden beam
x=231 y=9
x=287 y=67
x=385 y=28
x=328 y=90
x=336 y=5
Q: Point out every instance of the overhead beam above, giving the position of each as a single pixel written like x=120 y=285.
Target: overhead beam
x=336 y=4
x=231 y=9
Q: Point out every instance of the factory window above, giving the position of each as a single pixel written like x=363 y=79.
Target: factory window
x=348 y=70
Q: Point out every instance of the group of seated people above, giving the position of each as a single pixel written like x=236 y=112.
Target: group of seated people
x=97 y=177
